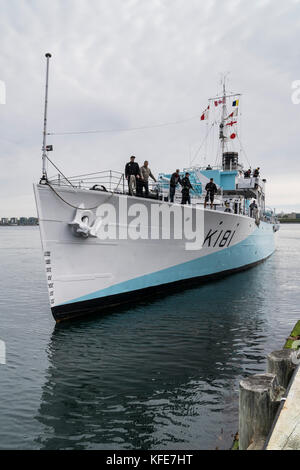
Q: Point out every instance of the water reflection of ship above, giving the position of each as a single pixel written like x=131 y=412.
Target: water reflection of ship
x=143 y=378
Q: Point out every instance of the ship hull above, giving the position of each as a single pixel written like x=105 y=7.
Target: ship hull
x=91 y=274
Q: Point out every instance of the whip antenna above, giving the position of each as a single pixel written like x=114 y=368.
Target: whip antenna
x=44 y=148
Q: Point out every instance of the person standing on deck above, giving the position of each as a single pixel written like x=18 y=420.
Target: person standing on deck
x=256 y=172
x=132 y=173
x=211 y=190
x=253 y=208
x=175 y=179
x=145 y=174
x=186 y=186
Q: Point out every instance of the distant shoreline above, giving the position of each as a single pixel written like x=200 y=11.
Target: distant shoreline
x=19 y=225
x=18 y=221
x=282 y=221
x=289 y=221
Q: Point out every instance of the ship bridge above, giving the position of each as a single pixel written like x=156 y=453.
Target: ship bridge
x=234 y=188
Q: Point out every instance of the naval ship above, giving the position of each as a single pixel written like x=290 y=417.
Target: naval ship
x=103 y=247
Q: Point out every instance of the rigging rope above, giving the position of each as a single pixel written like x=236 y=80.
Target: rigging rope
x=242 y=149
x=204 y=140
x=83 y=208
x=103 y=131
x=59 y=171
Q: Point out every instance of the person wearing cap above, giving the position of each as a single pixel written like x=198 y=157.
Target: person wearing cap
x=211 y=190
x=175 y=179
x=132 y=173
x=186 y=187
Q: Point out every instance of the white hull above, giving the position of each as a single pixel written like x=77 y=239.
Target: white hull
x=85 y=274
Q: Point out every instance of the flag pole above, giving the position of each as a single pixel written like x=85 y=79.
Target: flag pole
x=44 y=156
x=223 y=116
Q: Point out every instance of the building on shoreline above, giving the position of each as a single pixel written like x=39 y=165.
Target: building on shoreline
x=289 y=218
x=13 y=221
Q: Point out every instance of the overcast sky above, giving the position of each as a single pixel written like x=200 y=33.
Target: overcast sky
x=129 y=63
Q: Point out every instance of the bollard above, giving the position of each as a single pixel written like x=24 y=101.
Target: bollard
x=281 y=364
x=260 y=397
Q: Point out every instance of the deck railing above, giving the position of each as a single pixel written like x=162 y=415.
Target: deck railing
x=109 y=180
x=115 y=181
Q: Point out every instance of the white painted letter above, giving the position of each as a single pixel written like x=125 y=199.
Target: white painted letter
x=2 y=352
x=2 y=92
x=296 y=94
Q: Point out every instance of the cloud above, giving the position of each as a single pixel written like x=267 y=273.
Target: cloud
x=128 y=63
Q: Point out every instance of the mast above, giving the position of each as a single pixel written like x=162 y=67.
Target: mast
x=221 y=99
x=44 y=156
x=222 y=136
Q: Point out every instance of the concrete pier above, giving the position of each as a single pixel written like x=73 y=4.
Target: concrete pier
x=286 y=432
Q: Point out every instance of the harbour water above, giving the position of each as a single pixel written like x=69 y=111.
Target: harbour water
x=162 y=375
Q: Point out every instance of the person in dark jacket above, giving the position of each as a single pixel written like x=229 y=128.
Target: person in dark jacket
x=186 y=187
x=132 y=173
x=175 y=179
x=253 y=208
x=211 y=190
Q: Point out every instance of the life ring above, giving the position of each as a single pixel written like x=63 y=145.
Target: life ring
x=97 y=188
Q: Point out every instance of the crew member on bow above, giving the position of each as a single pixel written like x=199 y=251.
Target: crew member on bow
x=132 y=173
x=175 y=179
x=211 y=190
x=145 y=173
x=186 y=187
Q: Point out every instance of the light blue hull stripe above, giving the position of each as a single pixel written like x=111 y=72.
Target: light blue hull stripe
x=258 y=246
